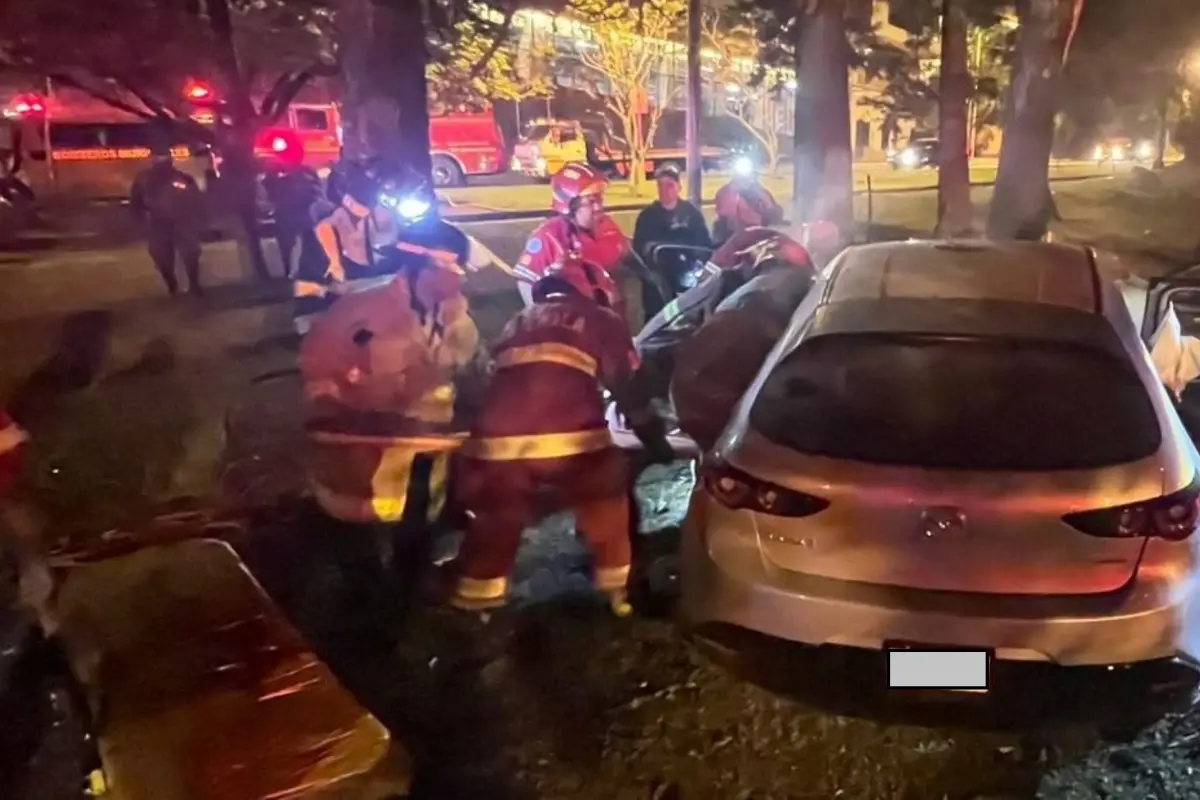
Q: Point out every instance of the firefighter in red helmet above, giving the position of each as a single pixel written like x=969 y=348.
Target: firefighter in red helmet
x=579 y=233
x=541 y=445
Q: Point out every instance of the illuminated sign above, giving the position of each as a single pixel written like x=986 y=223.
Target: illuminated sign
x=114 y=154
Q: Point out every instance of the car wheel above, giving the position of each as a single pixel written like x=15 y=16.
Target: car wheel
x=445 y=172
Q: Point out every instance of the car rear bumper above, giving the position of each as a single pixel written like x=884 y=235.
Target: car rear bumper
x=1147 y=620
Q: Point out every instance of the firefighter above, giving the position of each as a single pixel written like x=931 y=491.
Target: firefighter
x=293 y=190
x=540 y=443
x=580 y=233
x=350 y=236
x=737 y=262
x=379 y=369
x=744 y=203
x=21 y=533
x=713 y=367
x=171 y=205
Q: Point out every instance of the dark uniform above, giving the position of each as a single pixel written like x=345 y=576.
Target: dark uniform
x=171 y=204
x=363 y=243
x=293 y=190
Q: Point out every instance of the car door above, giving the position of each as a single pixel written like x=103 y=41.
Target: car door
x=1181 y=292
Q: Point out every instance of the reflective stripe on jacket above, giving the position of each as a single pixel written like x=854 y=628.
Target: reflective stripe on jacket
x=544 y=400
x=398 y=405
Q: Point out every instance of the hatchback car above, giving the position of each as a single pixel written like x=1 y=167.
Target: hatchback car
x=955 y=446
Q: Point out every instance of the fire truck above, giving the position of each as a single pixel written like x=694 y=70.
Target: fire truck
x=73 y=143
x=550 y=144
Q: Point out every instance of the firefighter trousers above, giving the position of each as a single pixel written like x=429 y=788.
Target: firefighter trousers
x=505 y=497
x=168 y=240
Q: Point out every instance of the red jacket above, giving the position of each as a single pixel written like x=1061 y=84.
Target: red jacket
x=544 y=400
x=553 y=241
x=12 y=450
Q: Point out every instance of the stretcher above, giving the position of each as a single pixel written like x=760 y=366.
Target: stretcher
x=200 y=689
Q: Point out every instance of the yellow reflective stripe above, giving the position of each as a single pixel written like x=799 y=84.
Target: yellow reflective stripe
x=538 y=446
x=608 y=579
x=11 y=437
x=481 y=589
x=420 y=443
x=439 y=476
x=549 y=353
x=343 y=507
x=308 y=289
x=390 y=481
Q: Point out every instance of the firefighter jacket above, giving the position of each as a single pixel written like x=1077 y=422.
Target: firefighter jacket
x=12 y=446
x=379 y=370
x=759 y=250
x=558 y=240
x=714 y=367
x=544 y=400
x=350 y=236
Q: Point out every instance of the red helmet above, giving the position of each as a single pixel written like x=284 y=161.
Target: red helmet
x=578 y=277
x=574 y=181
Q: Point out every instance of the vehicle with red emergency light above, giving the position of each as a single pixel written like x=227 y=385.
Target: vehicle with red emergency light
x=548 y=145
x=860 y=497
x=73 y=144
x=463 y=145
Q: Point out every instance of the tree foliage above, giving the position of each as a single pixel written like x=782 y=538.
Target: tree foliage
x=472 y=70
x=736 y=62
x=626 y=44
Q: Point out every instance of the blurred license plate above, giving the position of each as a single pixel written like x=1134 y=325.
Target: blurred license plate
x=933 y=668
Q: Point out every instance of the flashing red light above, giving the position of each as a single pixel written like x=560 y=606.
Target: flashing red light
x=26 y=106
x=279 y=144
x=198 y=91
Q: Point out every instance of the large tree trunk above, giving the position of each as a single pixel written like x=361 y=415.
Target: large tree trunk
x=1021 y=207
x=383 y=56
x=240 y=167
x=823 y=168
x=954 y=84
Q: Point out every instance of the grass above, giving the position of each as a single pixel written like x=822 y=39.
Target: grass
x=874 y=176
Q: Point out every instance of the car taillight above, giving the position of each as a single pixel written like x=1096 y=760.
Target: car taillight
x=1172 y=517
x=735 y=489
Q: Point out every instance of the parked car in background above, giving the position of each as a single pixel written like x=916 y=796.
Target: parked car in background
x=956 y=446
x=917 y=154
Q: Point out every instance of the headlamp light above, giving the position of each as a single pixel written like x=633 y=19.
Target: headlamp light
x=743 y=165
x=408 y=207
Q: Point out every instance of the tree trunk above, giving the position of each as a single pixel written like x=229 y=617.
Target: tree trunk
x=1019 y=208
x=383 y=56
x=240 y=166
x=954 y=84
x=823 y=168
x=695 y=104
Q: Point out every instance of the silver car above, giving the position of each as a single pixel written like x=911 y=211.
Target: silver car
x=955 y=447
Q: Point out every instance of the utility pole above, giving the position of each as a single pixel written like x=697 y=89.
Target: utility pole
x=694 y=104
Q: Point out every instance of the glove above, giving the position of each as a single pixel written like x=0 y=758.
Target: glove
x=654 y=436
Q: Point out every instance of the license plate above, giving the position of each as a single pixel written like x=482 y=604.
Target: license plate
x=932 y=668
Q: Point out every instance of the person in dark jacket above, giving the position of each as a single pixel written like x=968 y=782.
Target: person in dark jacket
x=669 y=220
x=170 y=203
x=293 y=190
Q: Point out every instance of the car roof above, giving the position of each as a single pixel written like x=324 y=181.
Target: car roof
x=1014 y=272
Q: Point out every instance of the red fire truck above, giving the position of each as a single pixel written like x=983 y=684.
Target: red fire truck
x=73 y=143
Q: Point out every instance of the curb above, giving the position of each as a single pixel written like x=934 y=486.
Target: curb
x=529 y=215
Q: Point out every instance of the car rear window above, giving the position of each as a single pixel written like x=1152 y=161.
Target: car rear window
x=969 y=404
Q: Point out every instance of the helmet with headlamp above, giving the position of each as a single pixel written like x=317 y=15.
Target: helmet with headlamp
x=406 y=194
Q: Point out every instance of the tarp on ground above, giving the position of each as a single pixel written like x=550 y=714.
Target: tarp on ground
x=202 y=690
